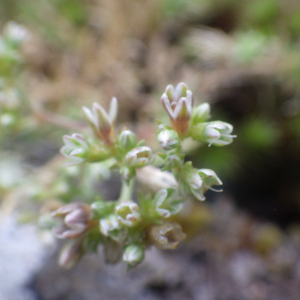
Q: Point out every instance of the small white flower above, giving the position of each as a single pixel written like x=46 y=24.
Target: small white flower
x=139 y=157
x=128 y=213
x=165 y=205
x=109 y=224
x=218 y=133
x=100 y=121
x=178 y=102
x=75 y=148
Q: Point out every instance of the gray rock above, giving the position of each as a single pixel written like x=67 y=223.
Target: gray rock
x=21 y=256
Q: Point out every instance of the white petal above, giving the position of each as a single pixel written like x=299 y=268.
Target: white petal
x=113 y=110
x=167 y=105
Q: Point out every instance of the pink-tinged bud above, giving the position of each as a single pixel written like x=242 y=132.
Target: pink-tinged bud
x=100 y=121
x=139 y=157
x=71 y=254
x=174 y=94
x=128 y=213
x=74 y=219
x=166 y=236
x=178 y=102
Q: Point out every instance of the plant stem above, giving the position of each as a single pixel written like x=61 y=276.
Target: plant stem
x=126 y=191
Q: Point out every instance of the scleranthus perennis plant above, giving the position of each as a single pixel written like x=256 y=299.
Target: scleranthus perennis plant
x=123 y=227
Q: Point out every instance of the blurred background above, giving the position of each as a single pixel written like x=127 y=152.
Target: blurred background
x=242 y=57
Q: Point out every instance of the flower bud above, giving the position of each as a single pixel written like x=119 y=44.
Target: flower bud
x=133 y=255
x=127 y=141
x=168 y=139
x=216 y=133
x=174 y=94
x=76 y=148
x=200 y=113
x=128 y=213
x=100 y=121
x=74 y=219
x=70 y=254
x=139 y=157
x=178 y=102
x=166 y=236
x=110 y=227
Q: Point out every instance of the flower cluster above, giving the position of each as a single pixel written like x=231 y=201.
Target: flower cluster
x=124 y=227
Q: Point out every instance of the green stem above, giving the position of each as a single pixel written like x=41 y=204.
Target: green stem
x=126 y=191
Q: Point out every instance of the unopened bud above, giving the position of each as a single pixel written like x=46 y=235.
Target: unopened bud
x=74 y=219
x=70 y=254
x=178 y=102
x=127 y=141
x=200 y=113
x=100 y=121
x=133 y=255
x=76 y=148
x=168 y=139
x=175 y=93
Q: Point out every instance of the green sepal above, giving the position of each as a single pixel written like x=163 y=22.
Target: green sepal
x=101 y=209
